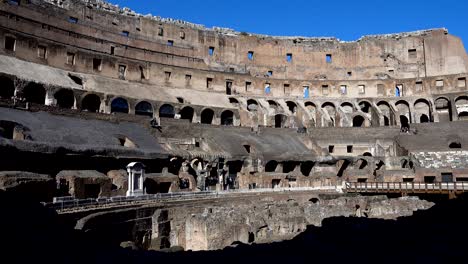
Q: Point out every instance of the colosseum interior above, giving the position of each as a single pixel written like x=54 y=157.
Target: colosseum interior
x=87 y=88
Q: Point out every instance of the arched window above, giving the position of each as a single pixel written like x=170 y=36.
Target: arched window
x=7 y=88
x=167 y=111
x=91 y=103
x=271 y=166
x=187 y=113
x=227 y=118
x=119 y=105
x=144 y=108
x=358 y=121
x=65 y=98
x=35 y=93
x=291 y=106
x=207 y=116
x=365 y=106
x=252 y=105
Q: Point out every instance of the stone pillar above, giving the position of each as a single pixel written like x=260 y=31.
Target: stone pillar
x=49 y=98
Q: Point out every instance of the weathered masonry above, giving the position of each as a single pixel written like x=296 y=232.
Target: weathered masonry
x=87 y=88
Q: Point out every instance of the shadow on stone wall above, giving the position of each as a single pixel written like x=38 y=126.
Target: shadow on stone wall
x=30 y=233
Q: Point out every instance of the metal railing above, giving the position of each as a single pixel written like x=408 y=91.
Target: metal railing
x=65 y=203
x=415 y=187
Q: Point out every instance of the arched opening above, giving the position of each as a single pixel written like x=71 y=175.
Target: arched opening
x=35 y=93
x=386 y=121
x=443 y=109
x=144 y=108
x=252 y=105
x=234 y=101
x=463 y=116
x=280 y=120
x=461 y=104
x=273 y=105
x=422 y=110
x=119 y=105
x=329 y=108
x=455 y=145
x=404 y=122
x=207 y=116
x=424 y=119
x=306 y=167
x=367 y=154
x=65 y=98
x=362 y=164
x=358 y=121
x=91 y=103
x=404 y=110
x=347 y=107
x=271 y=166
x=7 y=88
x=187 y=113
x=365 y=106
x=166 y=111
x=227 y=118
x=292 y=107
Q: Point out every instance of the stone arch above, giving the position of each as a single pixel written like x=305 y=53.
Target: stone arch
x=34 y=93
x=444 y=109
x=206 y=116
x=422 y=109
x=119 y=105
x=271 y=166
x=365 y=106
x=403 y=110
x=234 y=101
x=347 y=107
x=292 y=106
x=359 y=121
x=7 y=87
x=461 y=104
x=306 y=167
x=144 y=108
x=386 y=110
x=252 y=105
x=65 y=98
x=91 y=103
x=166 y=111
x=227 y=118
x=187 y=113
x=280 y=120
x=329 y=108
x=273 y=105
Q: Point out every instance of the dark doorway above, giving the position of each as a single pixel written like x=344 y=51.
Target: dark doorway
x=92 y=190
x=144 y=108
x=447 y=177
x=119 y=105
x=35 y=93
x=207 y=116
x=7 y=88
x=65 y=98
x=91 y=103
x=167 y=111
x=227 y=118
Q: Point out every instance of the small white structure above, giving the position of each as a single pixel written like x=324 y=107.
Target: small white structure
x=136 y=175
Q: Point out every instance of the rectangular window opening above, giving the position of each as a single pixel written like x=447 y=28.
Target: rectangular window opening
x=161 y=32
x=328 y=58
x=362 y=89
x=112 y=51
x=70 y=58
x=286 y=89
x=182 y=35
x=209 y=83
x=343 y=89
x=250 y=55
x=349 y=149
x=42 y=52
x=331 y=149
x=97 y=64
x=211 y=51
x=349 y=74
x=462 y=82
x=167 y=75
x=289 y=57
x=125 y=33
x=122 y=71
x=228 y=87
x=270 y=73
x=412 y=54
x=170 y=43
x=188 y=79
x=325 y=89
x=73 y=20
x=419 y=86
x=248 y=86
x=440 y=83
x=142 y=73
x=10 y=43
